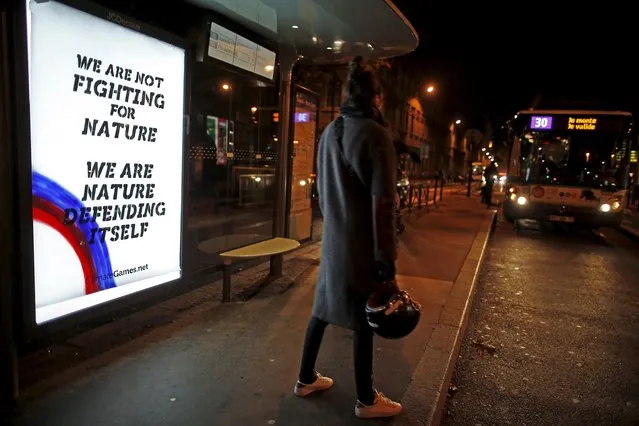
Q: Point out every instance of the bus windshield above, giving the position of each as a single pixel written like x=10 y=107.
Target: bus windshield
x=576 y=159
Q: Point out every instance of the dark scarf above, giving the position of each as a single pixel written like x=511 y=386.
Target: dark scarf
x=352 y=109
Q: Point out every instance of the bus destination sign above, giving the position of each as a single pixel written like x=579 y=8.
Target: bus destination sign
x=538 y=122
x=582 y=123
x=560 y=122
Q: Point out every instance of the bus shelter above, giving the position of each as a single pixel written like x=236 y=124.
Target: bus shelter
x=133 y=134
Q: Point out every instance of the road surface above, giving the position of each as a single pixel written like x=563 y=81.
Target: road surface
x=553 y=334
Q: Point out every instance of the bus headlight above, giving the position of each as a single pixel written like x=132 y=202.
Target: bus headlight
x=513 y=195
x=612 y=205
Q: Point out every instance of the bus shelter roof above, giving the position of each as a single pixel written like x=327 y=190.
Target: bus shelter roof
x=325 y=31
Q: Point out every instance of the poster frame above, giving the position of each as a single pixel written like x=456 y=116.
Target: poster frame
x=28 y=329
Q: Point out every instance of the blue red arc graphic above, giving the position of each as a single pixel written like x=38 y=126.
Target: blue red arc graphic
x=49 y=201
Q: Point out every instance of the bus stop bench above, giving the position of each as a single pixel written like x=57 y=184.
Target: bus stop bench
x=270 y=247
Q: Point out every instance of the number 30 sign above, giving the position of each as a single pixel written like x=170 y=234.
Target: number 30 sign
x=538 y=122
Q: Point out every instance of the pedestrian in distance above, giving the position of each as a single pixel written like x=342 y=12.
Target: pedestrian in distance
x=489 y=176
x=356 y=183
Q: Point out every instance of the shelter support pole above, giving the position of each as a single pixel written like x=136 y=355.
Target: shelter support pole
x=288 y=59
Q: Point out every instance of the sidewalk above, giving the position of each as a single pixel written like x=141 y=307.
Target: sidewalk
x=414 y=199
x=191 y=361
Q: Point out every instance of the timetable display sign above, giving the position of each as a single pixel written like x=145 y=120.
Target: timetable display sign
x=232 y=48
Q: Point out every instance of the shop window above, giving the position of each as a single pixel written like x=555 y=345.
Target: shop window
x=232 y=165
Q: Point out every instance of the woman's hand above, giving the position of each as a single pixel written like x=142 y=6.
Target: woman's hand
x=388 y=288
x=383 y=292
x=393 y=287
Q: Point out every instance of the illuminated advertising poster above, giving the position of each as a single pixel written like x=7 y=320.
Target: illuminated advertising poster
x=107 y=108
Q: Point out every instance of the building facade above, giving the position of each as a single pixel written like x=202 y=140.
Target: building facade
x=402 y=108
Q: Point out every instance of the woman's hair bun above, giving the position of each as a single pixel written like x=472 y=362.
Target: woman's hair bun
x=355 y=65
x=361 y=83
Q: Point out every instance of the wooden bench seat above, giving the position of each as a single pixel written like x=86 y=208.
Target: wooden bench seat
x=265 y=248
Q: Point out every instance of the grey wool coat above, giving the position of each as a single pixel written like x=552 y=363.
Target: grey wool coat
x=349 y=183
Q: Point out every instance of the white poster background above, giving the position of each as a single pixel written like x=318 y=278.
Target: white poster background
x=57 y=34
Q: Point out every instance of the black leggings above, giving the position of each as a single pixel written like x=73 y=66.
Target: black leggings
x=488 y=197
x=362 y=356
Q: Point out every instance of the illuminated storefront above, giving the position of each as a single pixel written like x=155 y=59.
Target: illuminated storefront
x=138 y=142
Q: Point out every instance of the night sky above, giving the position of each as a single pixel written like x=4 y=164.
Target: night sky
x=491 y=62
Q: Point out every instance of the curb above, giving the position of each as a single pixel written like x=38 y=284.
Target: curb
x=427 y=392
x=630 y=232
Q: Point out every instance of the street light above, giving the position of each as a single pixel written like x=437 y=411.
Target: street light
x=457 y=121
x=430 y=89
x=226 y=87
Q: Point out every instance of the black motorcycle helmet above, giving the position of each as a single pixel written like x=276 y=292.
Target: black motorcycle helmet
x=392 y=317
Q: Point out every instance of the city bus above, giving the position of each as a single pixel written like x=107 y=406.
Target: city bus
x=477 y=170
x=569 y=167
